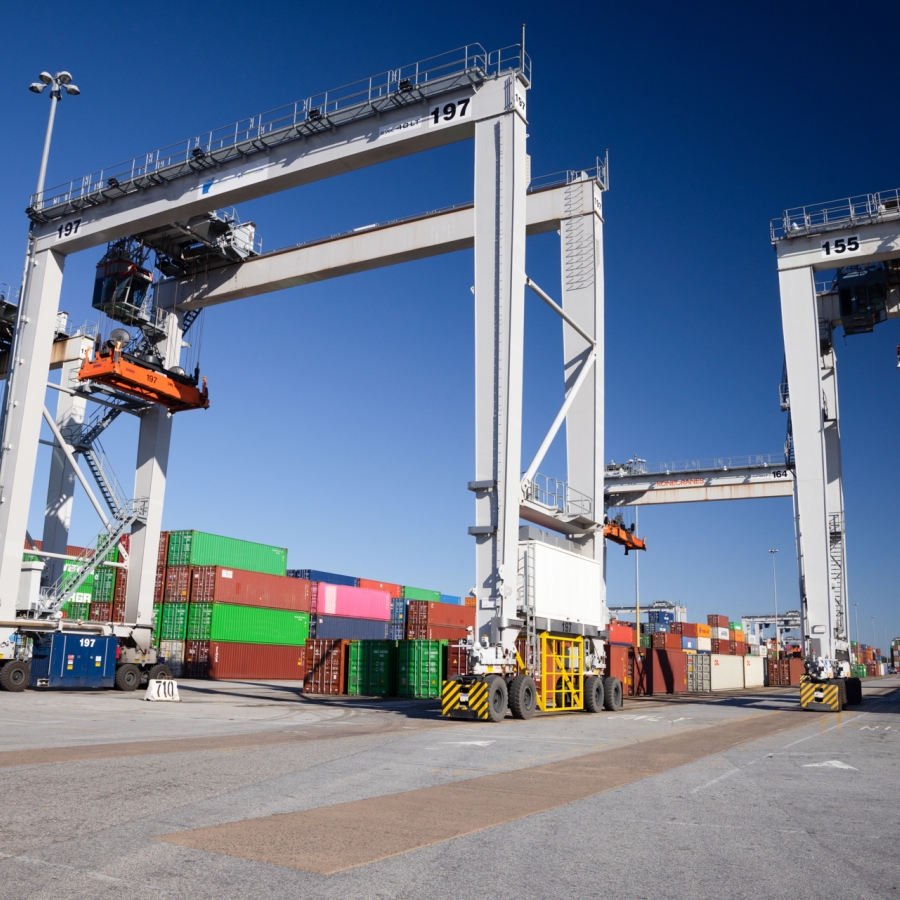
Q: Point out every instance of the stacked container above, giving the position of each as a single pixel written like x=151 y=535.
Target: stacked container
x=438 y=621
x=351 y=613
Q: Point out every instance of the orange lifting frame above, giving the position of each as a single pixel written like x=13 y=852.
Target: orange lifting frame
x=139 y=381
x=619 y=534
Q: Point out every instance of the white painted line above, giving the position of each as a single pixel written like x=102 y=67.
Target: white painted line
x=831 y=764
x=470 y=743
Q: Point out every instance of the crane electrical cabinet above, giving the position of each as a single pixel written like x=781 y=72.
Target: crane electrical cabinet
x=166 y=202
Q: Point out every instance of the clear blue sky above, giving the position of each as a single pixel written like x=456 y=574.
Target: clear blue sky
x=341 y=423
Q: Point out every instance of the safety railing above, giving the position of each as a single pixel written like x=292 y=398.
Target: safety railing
x=555 y=494
x=393 y=87
x=833 y=214
x=599 y=172
x=711 y=464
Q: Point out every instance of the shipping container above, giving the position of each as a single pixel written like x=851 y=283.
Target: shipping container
x=361 y=603
x=163 y=552
x=422 y=632
x=412 y=593
x=754 y=671
x=420 y=612
x=621 y=634
x=398 y=611
x=324 y=667
x=351 y=628
x=370 y=668
x=219 y=584
x=118 y=611
x=397 y=632
x=104 y=584
x=172 y=654
x=621 y=665
x=198 y=548
x=452 y=600
x=717 y=622
x=703 y=631
x=326 y=577
x=159 y=587
x=456 y=659
x=178 y=584
x=735 y=626
x=660 y=616
x=669 y=671
x=699 y=669
x=666 y=642
x=395 y=590
x=199 y=623
x=469 y=601
x=77 y=610
x=173 y=622
x=279 y=662
x=688 y=643
x=727 y=673
x=704 y=644
x=253 y=625
x=419 y=669
x=645 y=640
x=196 y=659
x=100 y=612
x=655 y=627
x=689 y=629
x=720 y=633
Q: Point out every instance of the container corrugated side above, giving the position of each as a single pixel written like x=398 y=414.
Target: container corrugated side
x=178 y=584
x=172 y=654
x=199 y=623
x=351 y=628
x=324 y=667
x=413 y=593
x=220 y=584
x=419 y=669
x=727 y=673
x=395 y=590
x=252 y=625
x=327 y=577
x=196 y=659
x=279 y=662
x=422 y=631
x=173 y=621
x=362 y=603
x=199 y=548
x=370 y=668
x=754 y=671
x=421 y=612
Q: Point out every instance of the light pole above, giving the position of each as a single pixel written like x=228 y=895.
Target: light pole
x=775 y=596
x=874 y=639
x=856 y=610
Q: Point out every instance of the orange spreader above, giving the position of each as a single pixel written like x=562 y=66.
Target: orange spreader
x=139 y=381
x=619 y=534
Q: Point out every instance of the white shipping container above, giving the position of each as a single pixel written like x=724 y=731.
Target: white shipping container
x=754 y=671
x=172 y=654
x=704 y=643
x=720 y=634
x=727 y=672
x=752 y=639
x=560 y=584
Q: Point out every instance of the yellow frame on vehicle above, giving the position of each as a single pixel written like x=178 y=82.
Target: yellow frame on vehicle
x=560 y=685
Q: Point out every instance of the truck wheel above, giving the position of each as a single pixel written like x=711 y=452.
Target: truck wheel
x=14 y=676
x=593 y=693
x=128 y=677
x=612 y=693
x=854 y=691
x=497 y=698
x=160 y=670
x=522 y=697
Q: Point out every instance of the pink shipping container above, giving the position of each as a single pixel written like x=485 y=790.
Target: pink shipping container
x=356 y=603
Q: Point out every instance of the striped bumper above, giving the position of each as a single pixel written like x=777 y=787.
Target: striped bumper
x=460 y=700
x=816 y=696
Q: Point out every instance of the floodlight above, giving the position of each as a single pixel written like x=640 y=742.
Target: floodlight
x=71 y=89
x=45 y=77
x=37 y=87
x=63 y=77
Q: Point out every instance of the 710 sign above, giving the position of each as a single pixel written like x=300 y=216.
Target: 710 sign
x=839 y=246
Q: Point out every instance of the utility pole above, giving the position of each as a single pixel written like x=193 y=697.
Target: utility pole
x=856 y=610
x=637 y=588
x=874 y=639
x=775 y=596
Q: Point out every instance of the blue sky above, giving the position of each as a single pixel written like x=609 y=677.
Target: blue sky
x=342 y=419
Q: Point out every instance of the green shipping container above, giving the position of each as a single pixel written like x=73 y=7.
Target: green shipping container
x=75 y=609
x=645 y=640
x=199 y=621
x=104 y=584
x=411 y=593
x=858 y=671
x=370 y=668
x=419 y=668
x=253 y=625
x=173 y=622
x=736 y=626
x=197 y=548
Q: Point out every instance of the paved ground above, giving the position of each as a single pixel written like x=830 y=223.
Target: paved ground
x=245 y=789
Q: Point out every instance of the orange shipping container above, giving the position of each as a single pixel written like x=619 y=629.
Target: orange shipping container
x=704 y=631
x=395 y=590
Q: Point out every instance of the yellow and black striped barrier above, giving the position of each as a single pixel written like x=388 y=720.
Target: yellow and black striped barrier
x=816 y=695
x=460 y=700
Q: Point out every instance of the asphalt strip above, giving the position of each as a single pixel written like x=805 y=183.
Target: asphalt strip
x=331 y=839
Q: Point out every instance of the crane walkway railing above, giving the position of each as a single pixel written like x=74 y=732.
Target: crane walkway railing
x=689 y=466
x=802 y=221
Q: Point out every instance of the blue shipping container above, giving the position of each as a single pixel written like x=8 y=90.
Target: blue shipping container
x=327 y=577
x=345 y=628
x=688 y=643
x=398 y=611
x=654 y=628
x=660 y=616
x=396 y=632
x=454 y=601
x=63 y=660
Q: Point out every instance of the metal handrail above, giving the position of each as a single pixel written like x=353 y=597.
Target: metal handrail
x=555 y=494
x=314 y=113
x=803 y=221
x=713 y=464
x=599 y=172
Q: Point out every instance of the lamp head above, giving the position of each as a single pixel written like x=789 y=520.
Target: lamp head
x=45 y=77
x=64 y=77
x=71 y=89
x=36 y=87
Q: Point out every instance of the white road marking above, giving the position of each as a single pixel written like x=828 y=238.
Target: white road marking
x=831 y=764
x=470 y=743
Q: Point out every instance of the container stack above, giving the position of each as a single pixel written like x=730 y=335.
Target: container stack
x=435 y=621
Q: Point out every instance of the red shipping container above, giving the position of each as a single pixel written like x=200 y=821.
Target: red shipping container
x=259 y=661
x=100 y=612
x=424 y=611
x=159 y=588
x=666 y=641
x=162 y=554
x=717 y=621
x=643 y=672
x=688 y=629
x=624 y=665
x=738 y=648
x=457 y=660
x=196 y=659
x=796 y=668
x=218 y=584
x=324 y=667
x=675 y=627
x=669 y=674
x=621 y=634
x=121 y=586
x=419 y=631
x=355 y=603
x=178 y=584
x=118 y=611
x=395 y=590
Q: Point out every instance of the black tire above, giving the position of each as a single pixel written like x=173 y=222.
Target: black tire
x=522 y=697
x=128 y=677
x=160 y=670
x=854 y=691
x=612 y=693
x=497 y=698
x=593 y=693
x=14 y=676
x=842 y=694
